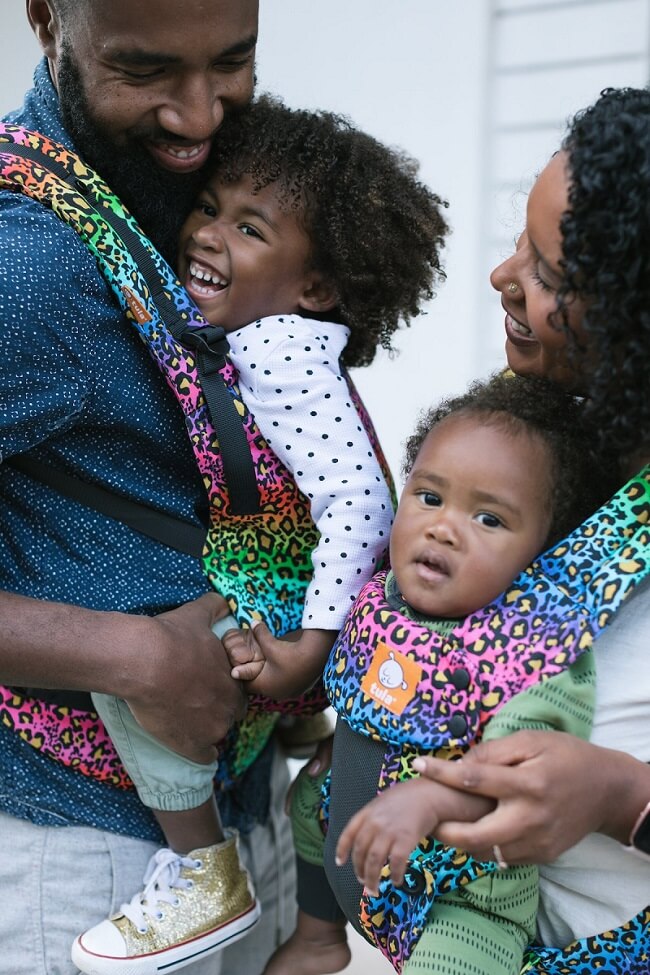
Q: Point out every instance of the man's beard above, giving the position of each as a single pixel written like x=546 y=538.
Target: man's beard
x=158 y=199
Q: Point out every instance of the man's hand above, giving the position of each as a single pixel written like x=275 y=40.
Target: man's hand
x=179 y=685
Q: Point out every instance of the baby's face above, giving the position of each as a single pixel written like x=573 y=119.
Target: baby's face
x=474 y=512
x=241 y=257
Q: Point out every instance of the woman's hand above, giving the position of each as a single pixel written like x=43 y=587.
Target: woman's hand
x=321 y=761
x=551 y=790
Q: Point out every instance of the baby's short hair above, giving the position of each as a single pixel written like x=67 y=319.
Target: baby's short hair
x=583 y=474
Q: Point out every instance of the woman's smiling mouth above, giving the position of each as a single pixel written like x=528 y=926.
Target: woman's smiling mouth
x=517 y=332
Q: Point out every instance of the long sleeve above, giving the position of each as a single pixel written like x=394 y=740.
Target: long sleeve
x=291 y=380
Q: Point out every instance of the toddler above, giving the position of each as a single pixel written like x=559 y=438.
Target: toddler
x=309 y=244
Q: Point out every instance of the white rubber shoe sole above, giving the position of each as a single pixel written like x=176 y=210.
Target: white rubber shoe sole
x=169 y=959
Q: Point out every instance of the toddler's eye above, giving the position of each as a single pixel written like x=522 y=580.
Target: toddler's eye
x=430 y=498
x=206 y=208
x=249 y=231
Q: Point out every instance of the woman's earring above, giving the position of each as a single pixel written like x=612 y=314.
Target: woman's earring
x=512 y=287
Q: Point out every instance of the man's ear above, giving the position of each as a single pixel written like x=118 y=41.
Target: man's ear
x=319 y=295
x=45 y=24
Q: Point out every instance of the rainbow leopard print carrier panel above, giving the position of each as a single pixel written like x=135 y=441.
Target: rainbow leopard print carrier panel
x=261 y=563
x=399 y=682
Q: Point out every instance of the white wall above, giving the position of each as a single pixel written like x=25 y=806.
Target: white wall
x=478 y=90
x=411 y=73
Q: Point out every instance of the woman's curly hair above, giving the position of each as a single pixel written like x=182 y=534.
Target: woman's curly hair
x=376 y=230
x=583 y=474
x=606 y=251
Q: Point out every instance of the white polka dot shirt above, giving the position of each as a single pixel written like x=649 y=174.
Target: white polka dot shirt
x=291 y=381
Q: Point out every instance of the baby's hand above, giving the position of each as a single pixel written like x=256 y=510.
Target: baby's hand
x=244 y=653
x=387 y=830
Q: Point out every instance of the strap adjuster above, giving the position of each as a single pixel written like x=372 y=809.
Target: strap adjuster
x=210 y=339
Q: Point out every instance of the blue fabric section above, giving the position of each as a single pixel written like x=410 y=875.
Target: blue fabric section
x=79 y=391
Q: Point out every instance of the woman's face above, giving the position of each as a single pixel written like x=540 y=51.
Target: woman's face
x=534 y=345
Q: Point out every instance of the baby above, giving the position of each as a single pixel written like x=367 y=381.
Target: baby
x=494 y=477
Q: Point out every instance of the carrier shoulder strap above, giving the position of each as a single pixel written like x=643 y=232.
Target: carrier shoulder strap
x=147 y=290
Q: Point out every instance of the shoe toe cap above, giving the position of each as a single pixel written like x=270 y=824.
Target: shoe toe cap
x=104 y=939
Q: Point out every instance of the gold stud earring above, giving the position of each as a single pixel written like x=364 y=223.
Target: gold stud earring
x=512 y=287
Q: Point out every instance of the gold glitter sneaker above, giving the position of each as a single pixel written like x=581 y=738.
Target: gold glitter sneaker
x=191 y=906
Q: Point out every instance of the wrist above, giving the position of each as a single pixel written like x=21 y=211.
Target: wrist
x=623 y=795
x=58 y=645
x=127 y=662
x=639 y=839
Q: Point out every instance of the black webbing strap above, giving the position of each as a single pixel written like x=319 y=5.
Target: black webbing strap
x=208 y=342
x=177 y=534
x=210 y=346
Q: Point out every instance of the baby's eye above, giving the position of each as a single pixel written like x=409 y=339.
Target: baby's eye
x=489 y=520
x=430 y=498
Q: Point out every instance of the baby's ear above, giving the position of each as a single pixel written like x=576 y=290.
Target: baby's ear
x=319 y=295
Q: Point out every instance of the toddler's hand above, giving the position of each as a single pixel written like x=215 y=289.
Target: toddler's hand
x=244 y=653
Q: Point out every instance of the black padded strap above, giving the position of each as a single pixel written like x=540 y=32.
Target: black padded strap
x=177 y=534
x=210 y=346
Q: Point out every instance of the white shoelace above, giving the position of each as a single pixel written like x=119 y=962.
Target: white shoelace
x=161 y=878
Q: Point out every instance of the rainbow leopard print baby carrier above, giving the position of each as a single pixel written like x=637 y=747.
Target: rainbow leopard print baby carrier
x=396 y=681
x=259 y=560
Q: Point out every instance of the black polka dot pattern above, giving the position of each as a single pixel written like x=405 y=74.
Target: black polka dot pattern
x=291 y=381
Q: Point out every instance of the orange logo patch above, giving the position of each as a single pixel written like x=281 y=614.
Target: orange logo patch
x=392 y=679
x=138 y=310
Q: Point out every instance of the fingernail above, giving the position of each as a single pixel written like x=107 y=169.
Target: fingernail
x=418 y=764
x=314 y=767
x=338 y=861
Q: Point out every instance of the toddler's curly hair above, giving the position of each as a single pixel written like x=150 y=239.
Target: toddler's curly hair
x=376 y=230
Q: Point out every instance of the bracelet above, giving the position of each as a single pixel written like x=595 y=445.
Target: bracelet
x=633 y=845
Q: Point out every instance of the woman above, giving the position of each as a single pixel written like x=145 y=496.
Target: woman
x=576 y=294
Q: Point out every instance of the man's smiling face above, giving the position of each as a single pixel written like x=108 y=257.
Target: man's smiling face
x=145 y=86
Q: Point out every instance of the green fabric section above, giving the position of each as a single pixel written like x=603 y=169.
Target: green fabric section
x=562 y=703
x=481 y=929
x=308 y=836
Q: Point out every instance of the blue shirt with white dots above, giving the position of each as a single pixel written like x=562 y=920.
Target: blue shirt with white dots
x=79 y=391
